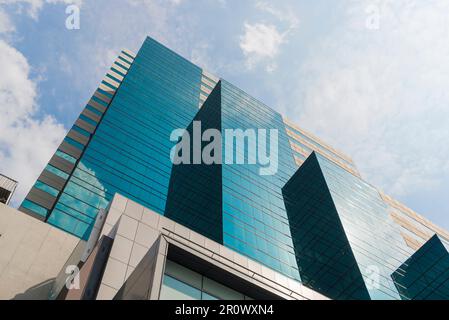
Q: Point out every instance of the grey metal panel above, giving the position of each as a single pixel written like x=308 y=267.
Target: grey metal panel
x=78 y=137
x=141 y=281
x=62 y=164
x=91 y=115
x=52 y=180
x=102 y=97
x=70 y=150
x=84 y=125
x=41 y=198
x=31 y=213
x=97 y=106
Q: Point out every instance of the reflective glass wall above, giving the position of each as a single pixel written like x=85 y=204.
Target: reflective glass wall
x=195 y=192
x=347 y=244
x=425 y=276
x=255 y=222
x=375 y=239
x=130 y=150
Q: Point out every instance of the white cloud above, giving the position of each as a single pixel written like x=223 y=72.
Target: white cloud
x=260 y=42
x=26 y=142
x=165 y=21
x=200 y=55
x=383 y=94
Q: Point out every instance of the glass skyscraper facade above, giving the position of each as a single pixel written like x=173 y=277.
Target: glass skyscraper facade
x=314 y=220
x=341 y=219
x=254 y=218
x=195 y=193
x=425 y=275
x=234 y=204
x=128 y=151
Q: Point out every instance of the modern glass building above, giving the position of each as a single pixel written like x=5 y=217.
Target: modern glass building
x=345 y=242
x=314 y=220
x=235 y=204
x=120 y=143
x=426 y=274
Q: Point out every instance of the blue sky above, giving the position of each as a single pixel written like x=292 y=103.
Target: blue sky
x=368 y=76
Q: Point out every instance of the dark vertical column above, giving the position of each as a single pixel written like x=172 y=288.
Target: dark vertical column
x=195 y=190
x=324 y=255
x=425 y=275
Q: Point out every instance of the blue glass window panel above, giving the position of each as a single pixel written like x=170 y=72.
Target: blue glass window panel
x=121 y=65
x=179 y=290
x=116 y=71
x=100 y=101
x=65 y=156
x=35 y=208
x=73 y=202
x=128 y=55
x=68 y=223
x=208 y=297
x=60 y=207
x=124 y=60
x=90 y=108
x=113 y=78
x=46 y=188
x=74 y=143
x=106 y=93
x=107 y=84
x=82 y=131
x=88 y=120
x=255 y=220
x=57 y=172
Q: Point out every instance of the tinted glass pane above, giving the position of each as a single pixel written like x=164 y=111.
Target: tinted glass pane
x=35 y=208
x=173 y=289
x=65 y=156
x=56 y=171
x=44 y=187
